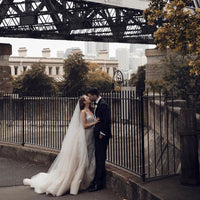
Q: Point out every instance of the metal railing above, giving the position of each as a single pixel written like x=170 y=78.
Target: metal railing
x=144 y=128
x=126 y=148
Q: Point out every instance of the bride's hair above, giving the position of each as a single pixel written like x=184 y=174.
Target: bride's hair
x=81 y=103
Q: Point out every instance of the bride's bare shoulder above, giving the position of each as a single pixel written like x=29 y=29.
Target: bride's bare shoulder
x=83 y=111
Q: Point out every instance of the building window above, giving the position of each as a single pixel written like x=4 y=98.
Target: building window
x=107 y=69
x=114 y=70
x=57 y=70
x=24 y=68
x=15 y=70
x=50 y=70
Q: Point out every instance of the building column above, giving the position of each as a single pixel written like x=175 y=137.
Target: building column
x=5 y=71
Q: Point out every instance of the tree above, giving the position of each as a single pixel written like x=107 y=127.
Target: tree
x=76 y=70
x=81 y=75
x=178 y=28
x=138 y=79
x=177 y=78
x=98 y=78
x=34 y=82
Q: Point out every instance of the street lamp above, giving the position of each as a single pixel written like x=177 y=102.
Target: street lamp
x=118 y=78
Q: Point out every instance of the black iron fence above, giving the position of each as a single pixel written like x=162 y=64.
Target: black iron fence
x=144 y=128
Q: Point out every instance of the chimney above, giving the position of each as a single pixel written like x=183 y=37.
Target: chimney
x=103 y=55
x=22 y=51
x=46 y=52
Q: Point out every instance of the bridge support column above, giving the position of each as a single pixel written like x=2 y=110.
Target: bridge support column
x=5 y=71
x=189 y=148
x=156 y=67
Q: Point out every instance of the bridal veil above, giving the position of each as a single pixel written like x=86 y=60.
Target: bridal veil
x=68 y=169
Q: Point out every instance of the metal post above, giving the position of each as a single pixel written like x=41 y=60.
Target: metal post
x=142 y=133
x=23 y=135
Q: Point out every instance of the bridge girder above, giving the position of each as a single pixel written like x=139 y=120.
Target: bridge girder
x=73 y=20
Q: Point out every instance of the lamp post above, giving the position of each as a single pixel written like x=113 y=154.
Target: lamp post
x=197 y=3
x=118 y=78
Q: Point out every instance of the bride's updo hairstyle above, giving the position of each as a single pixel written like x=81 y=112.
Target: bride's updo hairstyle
x=81 y=102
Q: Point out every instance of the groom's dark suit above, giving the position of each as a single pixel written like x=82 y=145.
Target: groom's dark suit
x=103 y=127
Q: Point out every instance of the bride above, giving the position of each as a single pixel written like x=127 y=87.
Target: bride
x=74 y=166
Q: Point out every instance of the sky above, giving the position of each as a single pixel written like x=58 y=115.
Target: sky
x=35 y=46
x=139 y=4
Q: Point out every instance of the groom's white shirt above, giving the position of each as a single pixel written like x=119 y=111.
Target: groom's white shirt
x=97 y=101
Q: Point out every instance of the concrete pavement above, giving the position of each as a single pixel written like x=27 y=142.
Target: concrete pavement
x=25 y=193
x=12 y=173
x=171 y=189
x=17 y=163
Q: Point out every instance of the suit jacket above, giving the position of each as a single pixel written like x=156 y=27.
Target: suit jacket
x=103 y=112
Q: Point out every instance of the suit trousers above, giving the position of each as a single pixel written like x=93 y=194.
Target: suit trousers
x=100 y=156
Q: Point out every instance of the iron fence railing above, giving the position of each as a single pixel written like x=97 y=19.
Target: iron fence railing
x=144 y=139
x=126 y=146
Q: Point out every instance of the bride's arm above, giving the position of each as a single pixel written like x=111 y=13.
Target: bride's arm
x=83 y=119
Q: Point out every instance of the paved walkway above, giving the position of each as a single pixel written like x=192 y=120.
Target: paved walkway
x=171 y=189
x=13 y=172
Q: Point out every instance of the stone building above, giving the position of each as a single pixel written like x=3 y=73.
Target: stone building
x=106 y=65
x=5 y=74
x=54 y=66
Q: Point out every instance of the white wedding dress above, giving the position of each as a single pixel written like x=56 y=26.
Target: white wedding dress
x=74 y=167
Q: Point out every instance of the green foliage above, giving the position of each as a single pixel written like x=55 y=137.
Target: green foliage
x=177 y=79
x=80 y=75
x=157 y=85
x=34 y=82
x=155 y=12
x=180 y=30
x=138 y=79
x=98 y=78
x=76 y=70
x=117 y=88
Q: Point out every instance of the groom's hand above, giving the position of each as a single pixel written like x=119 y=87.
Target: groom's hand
x=100 y=136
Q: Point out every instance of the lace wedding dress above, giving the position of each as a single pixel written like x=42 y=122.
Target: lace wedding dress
x=74 y=167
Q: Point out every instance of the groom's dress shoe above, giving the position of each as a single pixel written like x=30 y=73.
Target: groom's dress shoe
x=95 y=188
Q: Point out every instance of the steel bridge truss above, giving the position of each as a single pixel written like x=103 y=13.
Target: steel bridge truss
x=73 y=20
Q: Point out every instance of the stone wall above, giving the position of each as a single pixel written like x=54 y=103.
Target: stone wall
x=167 y=127
x=186 y=139
x=155 y=66
x=165 y=119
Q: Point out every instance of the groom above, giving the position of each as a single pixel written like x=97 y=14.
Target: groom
x=102 y=133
